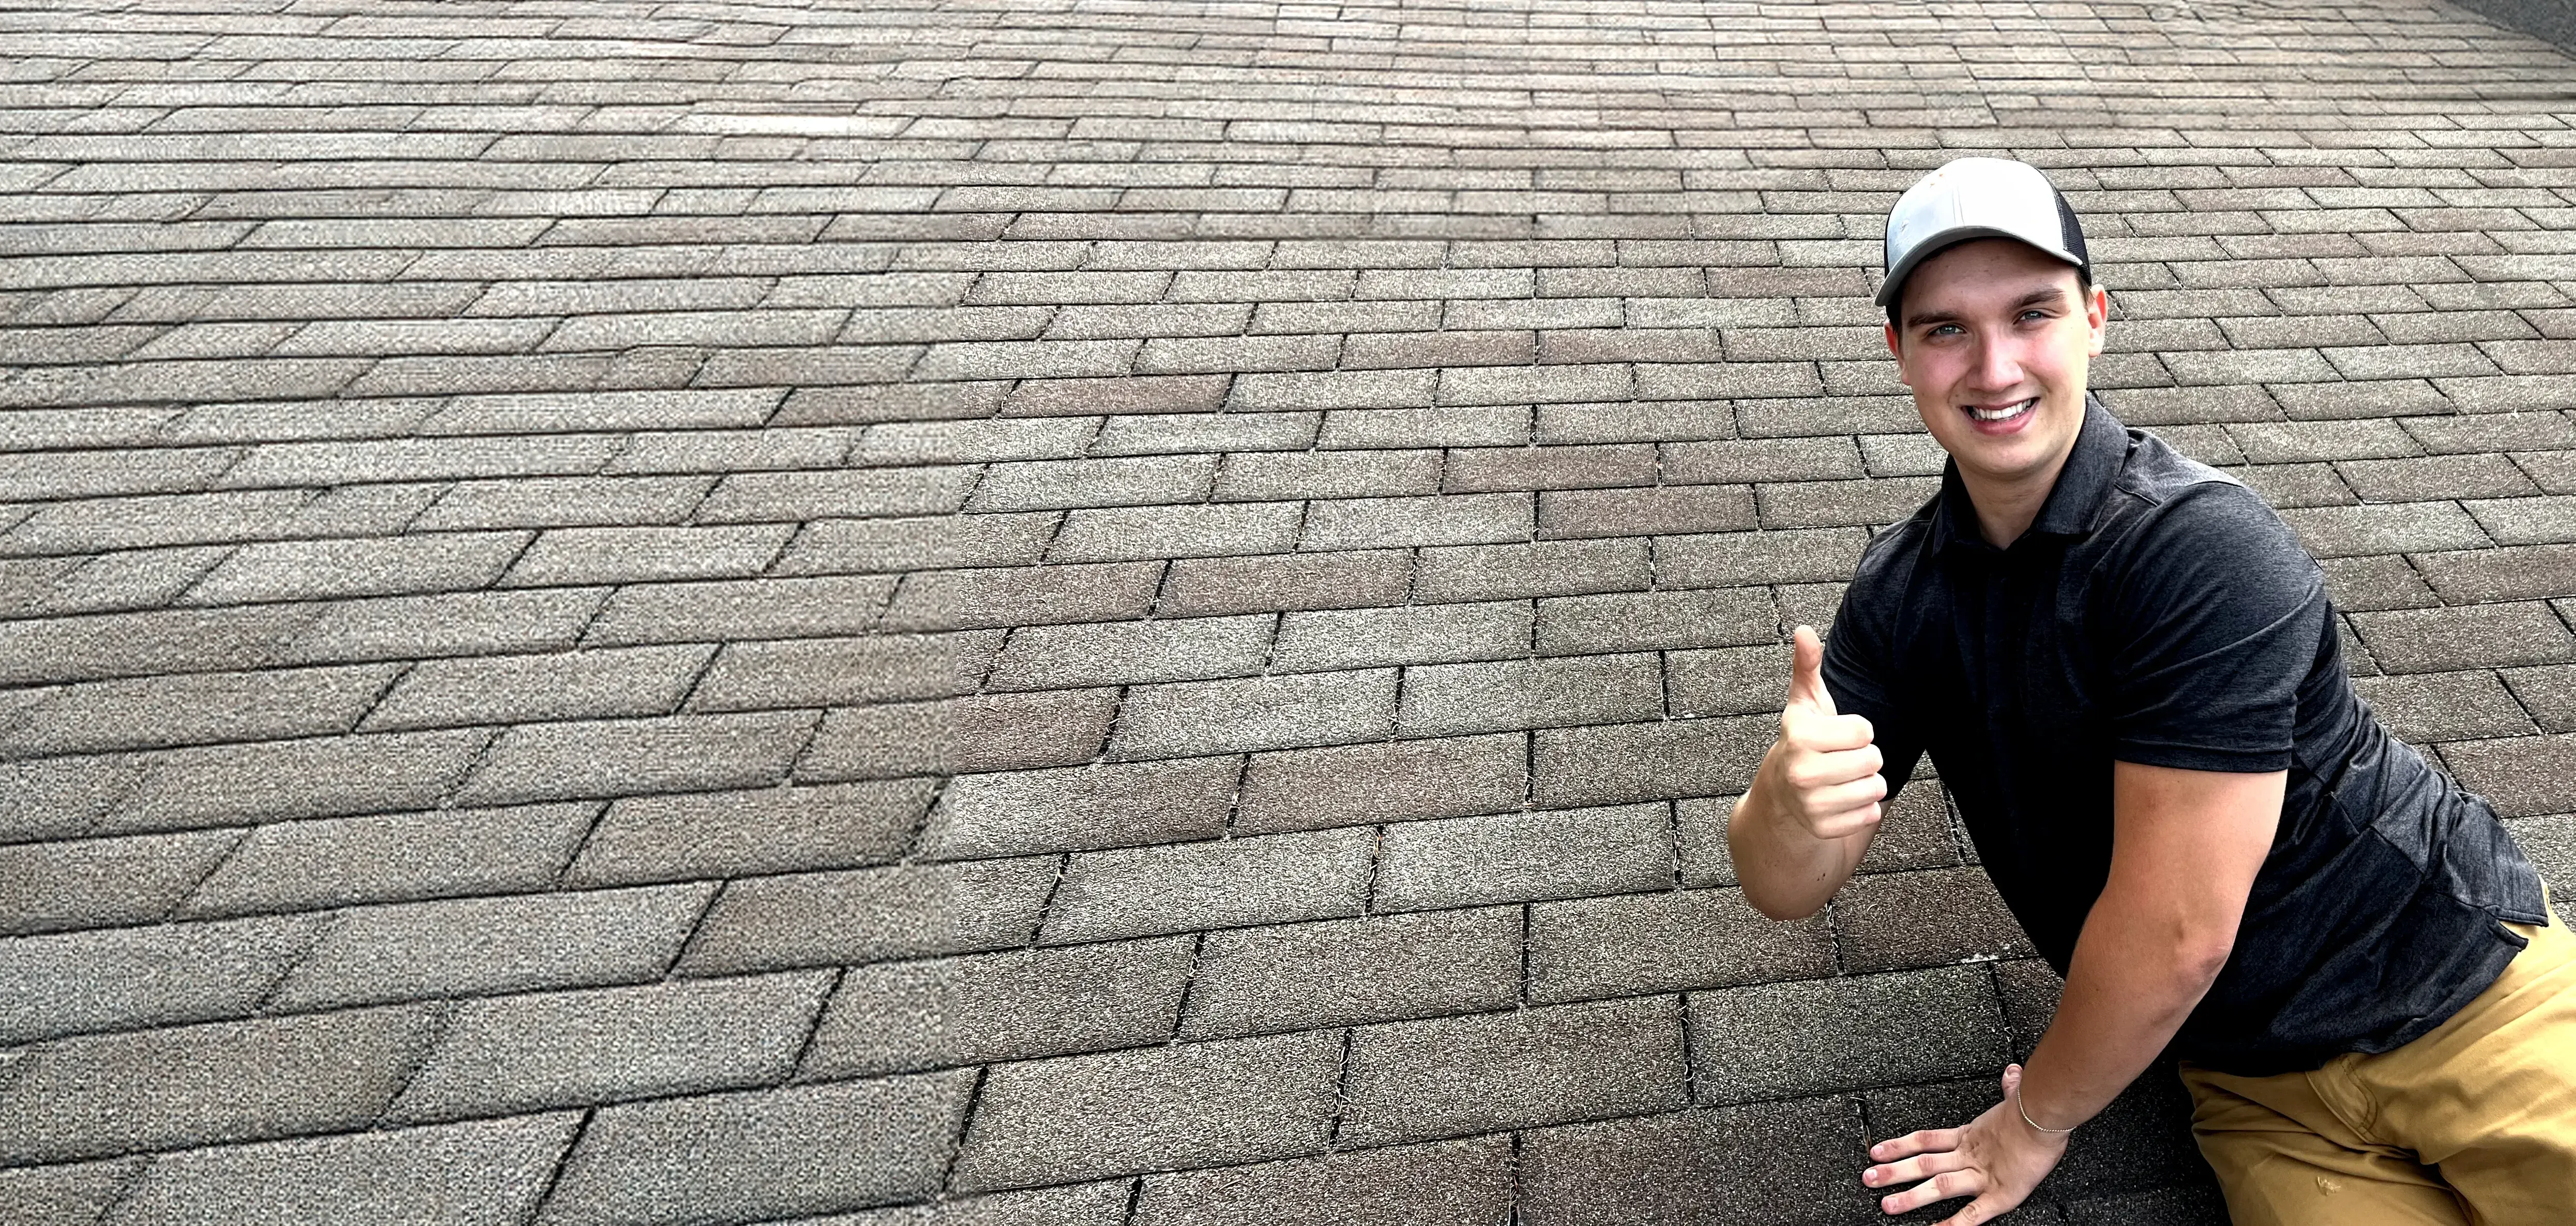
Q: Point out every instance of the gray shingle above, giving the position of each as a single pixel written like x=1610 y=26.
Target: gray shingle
x=1401 y=634
x=623 y=757
x=1454 y=1076
x=591 y=684
x=484 y=1173
x=206 y=1085
x=1021 y=596
x=1633 y=621
x=1540 y=568
x=1013 y=1005
x=836 y=671
x=1818 y=1036
x=1937 y=917
x=2331 y=532
x=566 y=1049
x=2429 y=640
x=415 y=951
x=1455 y=1183
x=292 y=866
x=154 y=712
x=162 y=975
x=1268 y=582
x=2521 y=775
x=775 y=1153
x=1616 y=763
x=2548 y=693
x=866 y=915
x=561 y=556
x=1516 y=857
x=769 y=830
x=321 y=777
x=1304 y=789
x=99 y=883
x=61 y=797
x=1117 y=653
x=1452 y=699
x=1118 y=534
x=2425 y=707
x=2486 y=576
x=995 y=732
x=1087 y=1204
x=1368 y=969
x=1277 y=712
x=1142 y=891
x=70 y=1194
x=753 y=608
x=1074 y=808
x=1753 y=1165
x=1730 y=558
x=1194 y=1104
x=929 y=542
x=1670 y=940
x=1660 y=511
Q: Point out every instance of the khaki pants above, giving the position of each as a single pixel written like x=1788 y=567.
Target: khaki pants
x=2473 y=1123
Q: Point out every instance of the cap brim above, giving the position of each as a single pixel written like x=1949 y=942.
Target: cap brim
x=1943 y=241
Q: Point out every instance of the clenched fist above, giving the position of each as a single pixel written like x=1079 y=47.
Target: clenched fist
x=1823 y=773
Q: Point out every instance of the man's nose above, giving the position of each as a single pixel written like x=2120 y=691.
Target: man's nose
x=1998 y=365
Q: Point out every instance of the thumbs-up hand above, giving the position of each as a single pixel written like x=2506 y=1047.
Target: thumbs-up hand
x=1823 y=771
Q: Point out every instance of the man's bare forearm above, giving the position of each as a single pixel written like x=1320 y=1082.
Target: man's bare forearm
x=2185 y=848
x=1786 y=871
x=2129 y=988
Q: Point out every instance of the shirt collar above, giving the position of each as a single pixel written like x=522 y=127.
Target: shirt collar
x=2101 y=448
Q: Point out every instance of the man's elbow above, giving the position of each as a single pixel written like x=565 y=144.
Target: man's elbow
x=2202 y=953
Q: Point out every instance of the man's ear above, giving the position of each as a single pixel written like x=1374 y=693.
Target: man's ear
x=1894 y=350
x=2097 y=313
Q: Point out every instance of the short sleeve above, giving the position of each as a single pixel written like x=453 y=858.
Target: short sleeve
x=1864 y=676
x=2216 y=618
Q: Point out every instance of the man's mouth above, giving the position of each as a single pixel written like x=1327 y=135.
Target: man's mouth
x=2002 y=412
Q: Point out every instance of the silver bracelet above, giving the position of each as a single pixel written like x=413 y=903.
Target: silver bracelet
x=2025 y=1117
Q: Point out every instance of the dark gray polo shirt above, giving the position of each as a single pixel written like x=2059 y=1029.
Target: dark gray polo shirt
x=2157 y=612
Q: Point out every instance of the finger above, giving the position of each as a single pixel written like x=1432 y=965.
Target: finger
x=1807 y=671
x=1912 y=1143
x=1985 y=1208
x=1965 y=1182
x=1921 y=1166
x=1843 y=825
x=1836 y=798
x=1812 y=729
x=1811 y=769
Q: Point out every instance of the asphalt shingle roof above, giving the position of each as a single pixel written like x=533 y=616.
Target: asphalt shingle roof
x=1127 y=613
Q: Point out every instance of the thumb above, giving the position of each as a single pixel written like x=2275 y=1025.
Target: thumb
x=1807 y=671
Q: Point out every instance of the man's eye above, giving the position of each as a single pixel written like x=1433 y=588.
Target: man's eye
x=2033 y=313
x=1943 y=330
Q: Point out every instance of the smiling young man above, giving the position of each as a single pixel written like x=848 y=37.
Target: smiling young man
x=2128 y=672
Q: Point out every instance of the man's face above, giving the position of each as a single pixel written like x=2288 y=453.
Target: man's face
x=1995 y=337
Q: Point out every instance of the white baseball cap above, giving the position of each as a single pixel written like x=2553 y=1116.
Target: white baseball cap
x=1978 y=198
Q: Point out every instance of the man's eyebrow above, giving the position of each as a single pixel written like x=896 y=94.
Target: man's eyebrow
x=2054 y=295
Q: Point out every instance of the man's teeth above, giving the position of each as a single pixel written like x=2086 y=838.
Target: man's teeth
x=2005 y=413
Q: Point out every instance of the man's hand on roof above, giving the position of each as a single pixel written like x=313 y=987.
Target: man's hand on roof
x=1998 y=1158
